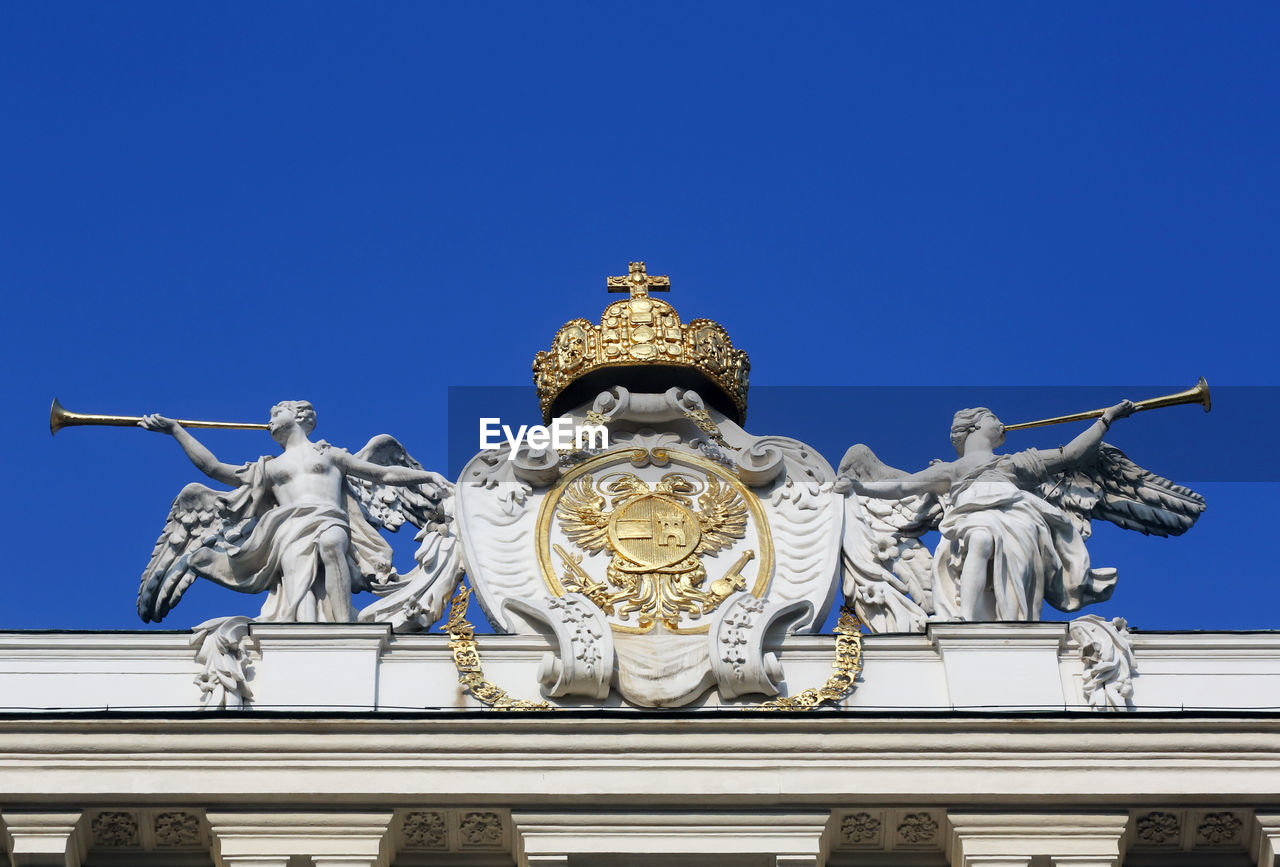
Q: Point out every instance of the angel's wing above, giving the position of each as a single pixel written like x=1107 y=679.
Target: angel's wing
x=582 y=516
x=1113 y=488
x=390 y=506
x=723 y=517
x=412 y=602
x=196 y=518
x=887 y=569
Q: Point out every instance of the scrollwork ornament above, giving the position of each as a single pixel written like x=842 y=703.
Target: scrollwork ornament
x=466 y=658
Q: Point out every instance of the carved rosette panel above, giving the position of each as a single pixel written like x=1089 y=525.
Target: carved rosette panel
x=481 y=830
x=175 y=829
x=115 y=830
x=911 y=830
x=1190 y=830
x=1158 y=828
x=440 y=830
x=426 y=830
x=860 y=829
x=1219 y=829
x=172 y=830
x=918 y=829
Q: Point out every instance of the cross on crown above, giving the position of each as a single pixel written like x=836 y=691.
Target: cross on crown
x=638 y=283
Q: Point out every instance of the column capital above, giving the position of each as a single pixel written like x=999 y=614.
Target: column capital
x=793 y=839
x=43 y=839
x=262 y=839
x=1069 y=839
x=1267 y=849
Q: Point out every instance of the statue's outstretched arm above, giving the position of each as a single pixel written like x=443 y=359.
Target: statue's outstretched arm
x=390 y=475
x=205 y=461
x=935 y=479
x=1084 y=445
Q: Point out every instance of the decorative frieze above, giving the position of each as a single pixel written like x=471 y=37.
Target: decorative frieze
x=425 y=830
x=1189 y=830
x=1219 y=829
x=918 y=829
x=860 y=829
x=444 y=830
x=115 y=830
x=177 y=830
x=481 y=830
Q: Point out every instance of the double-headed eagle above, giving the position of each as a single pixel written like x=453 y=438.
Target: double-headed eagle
x=657 y=539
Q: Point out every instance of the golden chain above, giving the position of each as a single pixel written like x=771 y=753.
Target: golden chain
x=706 y=424
x=466 y=657
x=847 y=665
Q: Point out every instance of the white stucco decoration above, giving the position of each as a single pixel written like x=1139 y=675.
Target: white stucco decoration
x=1106 y=652
x=684 y=513
x=225 y=668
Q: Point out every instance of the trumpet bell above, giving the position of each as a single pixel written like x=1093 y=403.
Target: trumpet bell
x=56 y=417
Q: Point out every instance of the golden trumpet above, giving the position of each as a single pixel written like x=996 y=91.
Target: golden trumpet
x=60 y=418
x=1199 y=393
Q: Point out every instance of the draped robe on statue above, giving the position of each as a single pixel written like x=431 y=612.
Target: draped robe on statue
x=276 y=549
x=1038 y=552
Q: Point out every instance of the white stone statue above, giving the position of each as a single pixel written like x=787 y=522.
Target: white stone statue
x=302 y=527
x=1013 y=525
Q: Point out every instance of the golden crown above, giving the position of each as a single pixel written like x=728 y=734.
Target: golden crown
x=641 y=344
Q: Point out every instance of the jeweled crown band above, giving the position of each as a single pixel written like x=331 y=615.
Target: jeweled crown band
x=642 y=332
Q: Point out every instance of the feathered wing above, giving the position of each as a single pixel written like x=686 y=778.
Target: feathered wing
x=583 y=517
x=415 y=600
x=1113 y=488
x=390 y=506
x=197 y=518
x=722 y=517
x=888 y=572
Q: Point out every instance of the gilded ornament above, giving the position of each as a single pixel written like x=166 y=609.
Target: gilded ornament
x=640 y=331
x=656 y=534
x=466 y=658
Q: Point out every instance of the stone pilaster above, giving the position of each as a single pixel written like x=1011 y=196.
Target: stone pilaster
x=329 y=839
x=790 y=839
x=1013 y=839
x=329 y=666
x=43 y=839
x=1001 y=666
x=1267 y=848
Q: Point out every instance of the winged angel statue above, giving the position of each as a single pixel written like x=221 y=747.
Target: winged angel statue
x=1013 y=526
x=303 y=526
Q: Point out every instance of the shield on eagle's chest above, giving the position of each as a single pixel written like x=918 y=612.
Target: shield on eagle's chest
x=653 y=532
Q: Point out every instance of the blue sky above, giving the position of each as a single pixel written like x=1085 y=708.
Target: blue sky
x=209 y=208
